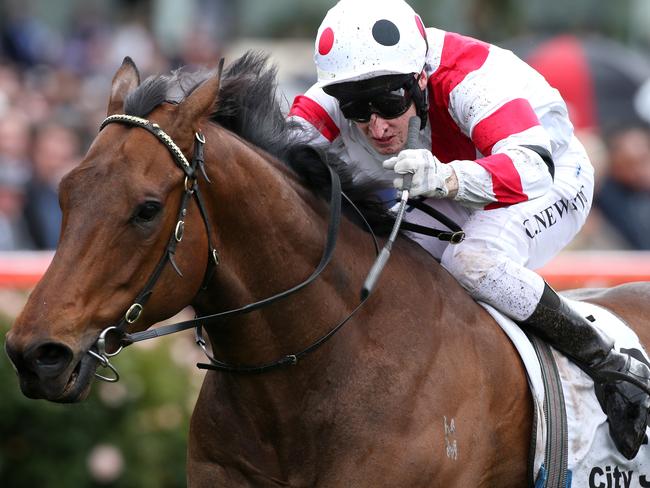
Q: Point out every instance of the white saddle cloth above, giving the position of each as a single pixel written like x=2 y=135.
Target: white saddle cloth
x=593 y=459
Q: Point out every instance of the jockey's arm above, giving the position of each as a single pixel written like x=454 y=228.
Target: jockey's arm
x=519 y=161
x=515 y=162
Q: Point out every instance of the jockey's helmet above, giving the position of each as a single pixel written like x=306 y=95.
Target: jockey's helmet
x=361 y=39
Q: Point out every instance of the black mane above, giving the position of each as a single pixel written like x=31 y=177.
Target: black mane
x=249 y=107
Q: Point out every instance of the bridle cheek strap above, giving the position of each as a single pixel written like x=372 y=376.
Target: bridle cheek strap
x=190 y=189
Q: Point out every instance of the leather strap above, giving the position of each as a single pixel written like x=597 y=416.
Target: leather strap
x=557 y=437
x=455 y=236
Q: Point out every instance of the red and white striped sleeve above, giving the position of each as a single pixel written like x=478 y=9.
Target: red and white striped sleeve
x=319 y=116
x=487 y=93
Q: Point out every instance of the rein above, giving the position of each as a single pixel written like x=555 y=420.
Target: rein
x=191 y=189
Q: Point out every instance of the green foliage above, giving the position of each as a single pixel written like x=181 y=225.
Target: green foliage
x=144 y=418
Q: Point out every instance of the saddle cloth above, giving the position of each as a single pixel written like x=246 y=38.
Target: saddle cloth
x=593 y=460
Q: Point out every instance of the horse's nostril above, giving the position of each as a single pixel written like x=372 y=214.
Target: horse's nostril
x=49 y=358
x=48 y=355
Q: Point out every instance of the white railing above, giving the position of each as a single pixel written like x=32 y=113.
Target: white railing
x=570 y=269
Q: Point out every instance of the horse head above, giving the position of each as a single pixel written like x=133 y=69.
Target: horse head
x=120 y=206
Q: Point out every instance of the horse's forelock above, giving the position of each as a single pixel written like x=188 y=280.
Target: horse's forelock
x=146 y=97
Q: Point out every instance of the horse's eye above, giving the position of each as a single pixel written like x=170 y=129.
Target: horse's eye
x=146 y=212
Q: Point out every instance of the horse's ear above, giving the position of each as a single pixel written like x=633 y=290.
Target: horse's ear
x=201 y=102
x=126 y=79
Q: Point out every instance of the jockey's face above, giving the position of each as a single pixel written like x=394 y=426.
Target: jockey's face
x=388 y=136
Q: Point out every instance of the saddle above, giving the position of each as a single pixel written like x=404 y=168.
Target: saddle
x=571 y=444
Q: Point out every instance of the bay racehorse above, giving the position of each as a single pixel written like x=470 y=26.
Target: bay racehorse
x=419 y=389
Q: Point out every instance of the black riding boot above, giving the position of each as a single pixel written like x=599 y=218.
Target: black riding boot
x=625 y=405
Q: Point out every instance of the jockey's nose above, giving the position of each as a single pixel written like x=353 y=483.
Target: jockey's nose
x=377 y=126
x=46 y=360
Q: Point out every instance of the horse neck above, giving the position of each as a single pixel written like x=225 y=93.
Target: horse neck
x=270 y=236
x=271 y=233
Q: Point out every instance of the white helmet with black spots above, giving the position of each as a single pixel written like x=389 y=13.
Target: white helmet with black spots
x=361 y=39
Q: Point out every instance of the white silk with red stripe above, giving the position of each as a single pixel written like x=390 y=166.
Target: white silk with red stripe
x=485 y=104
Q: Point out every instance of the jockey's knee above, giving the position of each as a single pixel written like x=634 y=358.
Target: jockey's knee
x=470 y=266
x=493 y=277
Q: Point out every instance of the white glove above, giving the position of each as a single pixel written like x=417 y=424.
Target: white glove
x=429 y=174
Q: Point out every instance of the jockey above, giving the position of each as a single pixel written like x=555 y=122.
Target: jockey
x=496 y=152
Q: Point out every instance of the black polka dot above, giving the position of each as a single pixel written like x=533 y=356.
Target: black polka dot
x=385 y=32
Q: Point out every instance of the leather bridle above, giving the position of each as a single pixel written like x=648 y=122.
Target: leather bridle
x=191 y=190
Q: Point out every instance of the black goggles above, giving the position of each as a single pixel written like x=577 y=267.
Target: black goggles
x=387 y=105
x=388 y=96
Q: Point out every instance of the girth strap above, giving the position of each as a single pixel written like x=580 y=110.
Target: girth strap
x=555 y=471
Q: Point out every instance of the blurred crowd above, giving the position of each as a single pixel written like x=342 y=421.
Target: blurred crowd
x=607 y=89
x=54 y=88
x=53 y=94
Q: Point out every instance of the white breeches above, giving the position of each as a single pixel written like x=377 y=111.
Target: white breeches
x=502 y=246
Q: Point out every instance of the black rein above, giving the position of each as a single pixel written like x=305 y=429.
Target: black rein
x=192 y=189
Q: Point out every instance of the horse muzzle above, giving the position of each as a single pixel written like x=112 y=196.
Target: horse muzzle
x=51 y=371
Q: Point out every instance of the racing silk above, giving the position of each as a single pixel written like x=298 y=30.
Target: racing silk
x=485 y=105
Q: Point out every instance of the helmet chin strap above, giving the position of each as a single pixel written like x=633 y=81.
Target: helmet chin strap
x=420 y=99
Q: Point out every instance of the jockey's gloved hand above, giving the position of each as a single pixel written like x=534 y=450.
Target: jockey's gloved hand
x=429 y=174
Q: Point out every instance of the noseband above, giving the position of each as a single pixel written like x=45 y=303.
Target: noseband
x=191 y=189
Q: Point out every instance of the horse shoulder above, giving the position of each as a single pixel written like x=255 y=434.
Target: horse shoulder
x=480 y=382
